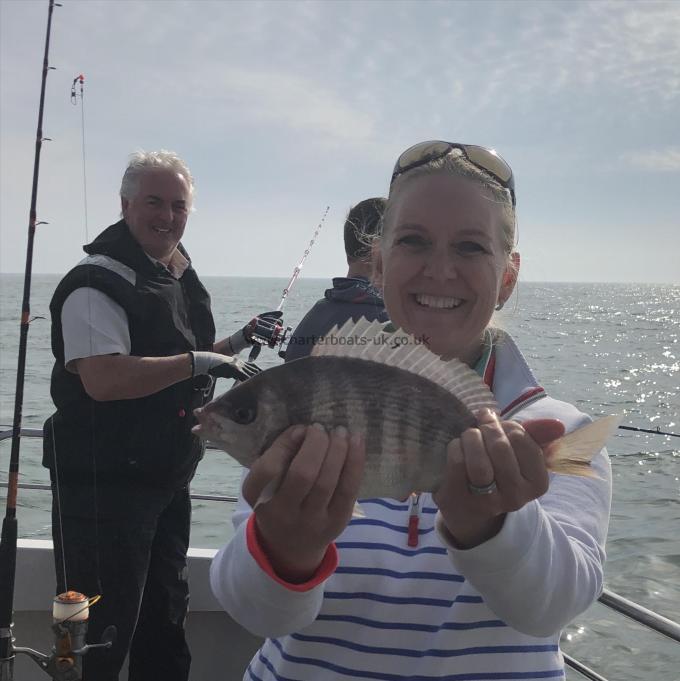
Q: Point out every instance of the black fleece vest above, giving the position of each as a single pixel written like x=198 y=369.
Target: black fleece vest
x=147 y=439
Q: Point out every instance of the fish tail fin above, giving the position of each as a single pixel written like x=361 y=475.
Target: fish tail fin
x=572 y=454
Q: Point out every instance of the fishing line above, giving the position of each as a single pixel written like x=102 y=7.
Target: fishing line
x=75 y=96
x=57 y=487
x=57 y=482
x=80 y=79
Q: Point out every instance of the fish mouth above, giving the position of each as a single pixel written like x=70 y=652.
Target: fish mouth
x=437 y=302
x=205 y=426
x=210 y=427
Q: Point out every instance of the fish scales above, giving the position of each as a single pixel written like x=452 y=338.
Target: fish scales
x=406 y=434
x=406 y=420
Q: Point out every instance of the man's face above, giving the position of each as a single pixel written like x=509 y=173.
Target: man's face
x=157 y=214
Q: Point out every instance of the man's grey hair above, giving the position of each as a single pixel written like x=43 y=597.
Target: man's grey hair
x=143 y=161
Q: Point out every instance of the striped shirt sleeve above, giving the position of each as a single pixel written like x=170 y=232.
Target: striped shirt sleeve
x=546 y=565
x=247 y=589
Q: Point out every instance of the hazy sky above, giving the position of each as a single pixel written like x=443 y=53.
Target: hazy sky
x=281 y=108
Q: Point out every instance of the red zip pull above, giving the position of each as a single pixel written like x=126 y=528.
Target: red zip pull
x=413 y=519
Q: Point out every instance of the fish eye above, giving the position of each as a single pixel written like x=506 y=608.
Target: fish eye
x=244 y=415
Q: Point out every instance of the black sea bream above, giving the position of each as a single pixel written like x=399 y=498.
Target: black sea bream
x=406 y=401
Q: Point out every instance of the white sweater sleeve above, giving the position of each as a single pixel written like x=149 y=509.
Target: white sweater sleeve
x=545 y=566
x=253 y=598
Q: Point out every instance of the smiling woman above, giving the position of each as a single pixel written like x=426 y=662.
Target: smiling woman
x=445 y=259
x=477 y=578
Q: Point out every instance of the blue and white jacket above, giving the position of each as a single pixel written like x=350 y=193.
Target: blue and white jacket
x=391 y=611
x=350 y=298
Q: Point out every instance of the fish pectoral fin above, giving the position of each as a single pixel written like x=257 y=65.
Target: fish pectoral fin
x=572 y=454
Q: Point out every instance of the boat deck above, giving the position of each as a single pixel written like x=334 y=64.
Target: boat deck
x=220 y=648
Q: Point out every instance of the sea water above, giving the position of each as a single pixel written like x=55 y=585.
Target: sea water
x=606 y=348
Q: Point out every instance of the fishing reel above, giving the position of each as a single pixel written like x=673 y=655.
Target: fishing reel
x=70 y=614
x=267 y=330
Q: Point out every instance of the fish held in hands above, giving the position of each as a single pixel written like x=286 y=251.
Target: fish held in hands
x=407 y=403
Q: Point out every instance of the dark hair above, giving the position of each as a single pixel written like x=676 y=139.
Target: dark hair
x=362 y=223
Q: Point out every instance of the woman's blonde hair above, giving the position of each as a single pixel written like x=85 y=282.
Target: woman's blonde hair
x=455 y=163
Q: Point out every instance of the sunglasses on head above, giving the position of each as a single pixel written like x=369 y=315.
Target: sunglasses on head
x=486 y=159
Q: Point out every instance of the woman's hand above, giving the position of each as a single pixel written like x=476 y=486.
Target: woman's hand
x=320 y=475
x=506 y=453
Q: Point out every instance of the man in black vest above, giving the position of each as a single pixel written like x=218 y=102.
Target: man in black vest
x=353 y=296
x=134 y=342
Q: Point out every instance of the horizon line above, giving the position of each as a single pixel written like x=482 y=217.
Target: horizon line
x=520 y=281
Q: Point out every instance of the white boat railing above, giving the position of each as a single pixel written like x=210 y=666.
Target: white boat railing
x=638 y=613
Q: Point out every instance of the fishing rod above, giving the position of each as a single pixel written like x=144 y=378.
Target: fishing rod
x=658 y=431
x=266 y=333
x=8 y=540
x=70 y=610
x=298 y=267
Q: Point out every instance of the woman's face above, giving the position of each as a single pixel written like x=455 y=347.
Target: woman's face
x=441 y=263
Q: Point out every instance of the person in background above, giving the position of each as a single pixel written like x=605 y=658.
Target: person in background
x=473 y=581
x=351 y=297
x=134 y=345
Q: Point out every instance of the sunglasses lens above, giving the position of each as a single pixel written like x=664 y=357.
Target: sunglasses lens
x=491 y=162
x=486 y=159
x=421 y=153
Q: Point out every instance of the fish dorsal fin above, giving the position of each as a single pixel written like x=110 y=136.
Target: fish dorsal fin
x=379 y=342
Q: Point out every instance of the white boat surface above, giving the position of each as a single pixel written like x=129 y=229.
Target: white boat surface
x=220 y=648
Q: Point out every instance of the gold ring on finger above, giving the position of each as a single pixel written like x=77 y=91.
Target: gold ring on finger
x=484 y=489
